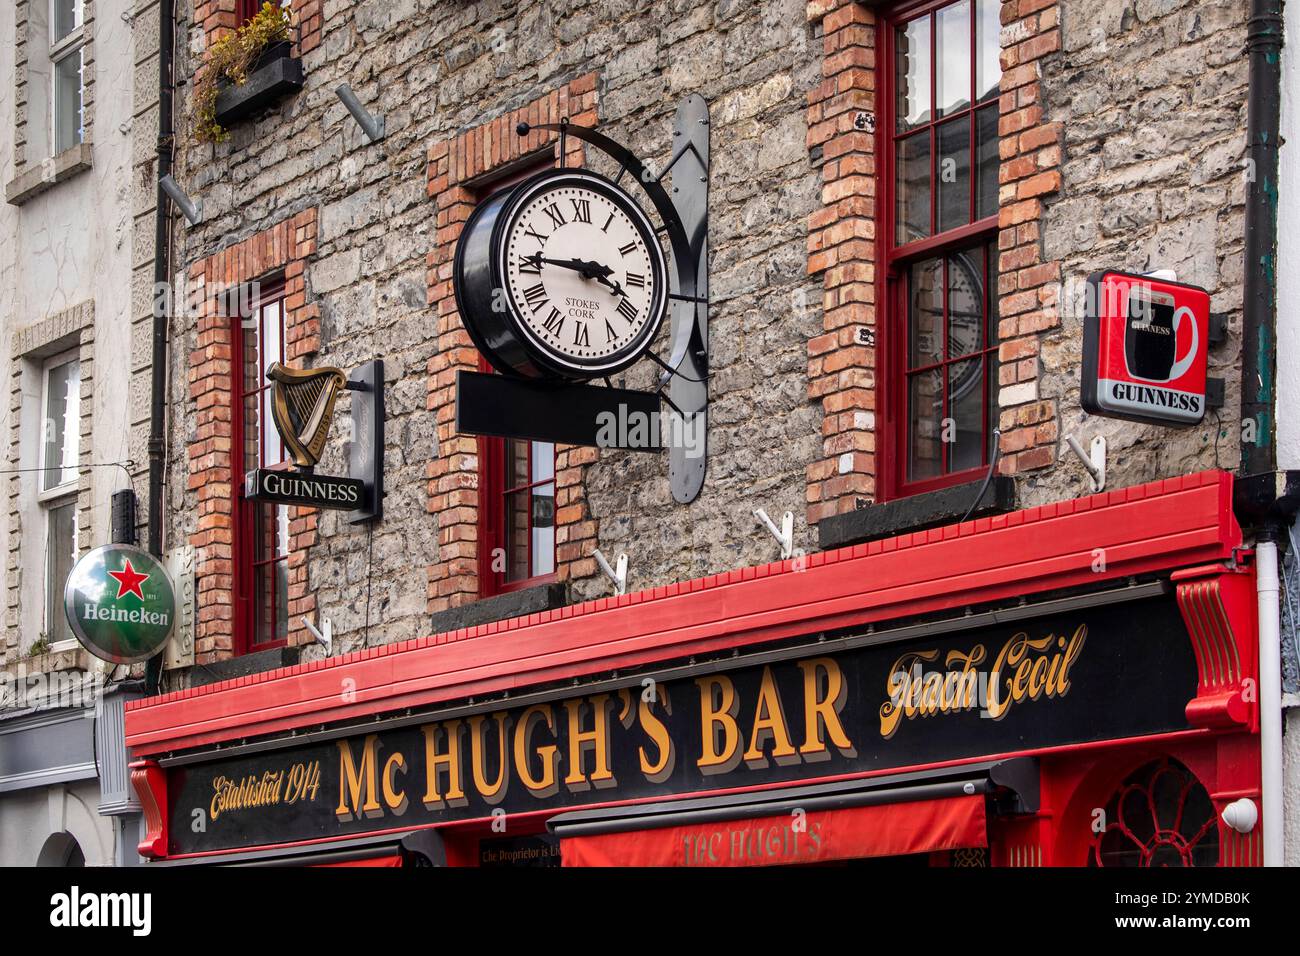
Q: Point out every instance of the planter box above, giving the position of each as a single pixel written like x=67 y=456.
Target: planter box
x=276 y=75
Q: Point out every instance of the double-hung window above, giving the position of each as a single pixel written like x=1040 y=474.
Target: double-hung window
x=261 y=539
x=67 y=40
x=57 y=483
x=940 y=241
x=518 y=523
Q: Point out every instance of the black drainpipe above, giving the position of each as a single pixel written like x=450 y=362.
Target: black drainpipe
x=162 y=300
x=1259 y=320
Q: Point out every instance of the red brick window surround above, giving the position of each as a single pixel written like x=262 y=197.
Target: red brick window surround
x=939 y=81
x=218 y=17
x=218 y=384
x=261 y=531
x=859 y=367
x=461 y=171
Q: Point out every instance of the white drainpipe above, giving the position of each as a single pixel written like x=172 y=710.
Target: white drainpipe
x=1270 y=698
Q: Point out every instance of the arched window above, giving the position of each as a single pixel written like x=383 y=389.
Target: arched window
x=1159 y=816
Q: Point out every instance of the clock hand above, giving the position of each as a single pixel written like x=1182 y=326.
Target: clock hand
x=588 y=269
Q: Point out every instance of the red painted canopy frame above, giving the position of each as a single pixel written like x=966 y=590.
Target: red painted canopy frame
x=1182 y=527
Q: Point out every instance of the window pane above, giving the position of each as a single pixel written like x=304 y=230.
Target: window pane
x=252 y=434
x=991 y=293
x=272 y=444
x=912 y=72
x=60 y=547
x=952 y=57
x=966 y=302
x=67 y=102
x=516 y=535
x=543 y=541
x=925 y=314
x=271 y=621
x=986 y=158
x=966 y=408
x=925 y=428
x=953 y=170
x=543 y=461
x=61 y=429
x=988 y=48
x=67 y=17
x=912 y=188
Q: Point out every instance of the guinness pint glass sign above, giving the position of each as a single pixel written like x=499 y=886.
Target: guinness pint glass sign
x=120 y=603
x=1144 y=349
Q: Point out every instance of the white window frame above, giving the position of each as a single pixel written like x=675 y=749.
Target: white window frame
x=55 y=497
x=60 y=50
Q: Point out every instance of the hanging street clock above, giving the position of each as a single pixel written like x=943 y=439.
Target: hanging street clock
x=561 y=277
x=565 y=279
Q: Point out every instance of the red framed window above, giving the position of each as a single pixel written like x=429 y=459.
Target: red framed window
x=261 y=531
x=245 y=10
x=517 y=514
x=940 y=81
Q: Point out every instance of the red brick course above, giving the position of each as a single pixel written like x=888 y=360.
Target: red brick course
x=283 y=248
x=456 y=169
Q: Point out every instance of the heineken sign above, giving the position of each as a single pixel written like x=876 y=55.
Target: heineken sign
x=120 y=603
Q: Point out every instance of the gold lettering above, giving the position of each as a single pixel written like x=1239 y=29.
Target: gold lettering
x=544 y=785
x=769 y=721
x=718 y=716
x=491 y=792
x=448 y=762
x=596 y=739
x=352 y=777
x=822 y=713
x=654 y=728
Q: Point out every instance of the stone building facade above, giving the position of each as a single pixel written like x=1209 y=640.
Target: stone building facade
x=1119 y=129
x=78 y=110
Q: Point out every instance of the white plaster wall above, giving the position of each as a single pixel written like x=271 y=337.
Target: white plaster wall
x=70 y=244
x=1288 y=272
x=29 y=817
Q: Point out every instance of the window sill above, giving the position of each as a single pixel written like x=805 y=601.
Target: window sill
x=41 y=176
x=276 y=79
x=916 y=513
x=543 y=597
x=245 y=664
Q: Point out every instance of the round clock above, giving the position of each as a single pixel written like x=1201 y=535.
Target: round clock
x=561 y=277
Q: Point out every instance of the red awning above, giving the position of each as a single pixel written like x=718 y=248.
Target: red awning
x=891 y=829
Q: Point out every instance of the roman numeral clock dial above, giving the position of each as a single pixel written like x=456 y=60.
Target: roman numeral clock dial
x=579 y=270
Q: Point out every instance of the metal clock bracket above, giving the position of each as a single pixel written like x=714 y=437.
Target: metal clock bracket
x=684 y=213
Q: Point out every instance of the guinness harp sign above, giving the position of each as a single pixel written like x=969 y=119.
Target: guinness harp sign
x=302 y=407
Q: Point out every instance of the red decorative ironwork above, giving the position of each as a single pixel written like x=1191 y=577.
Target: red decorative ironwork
x=1160 y=816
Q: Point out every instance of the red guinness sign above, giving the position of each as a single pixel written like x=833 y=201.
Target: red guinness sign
x=1145 y=343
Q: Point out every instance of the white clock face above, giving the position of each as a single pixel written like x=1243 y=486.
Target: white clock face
x=582 y=276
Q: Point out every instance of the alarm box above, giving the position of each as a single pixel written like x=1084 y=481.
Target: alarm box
x=1145 y=347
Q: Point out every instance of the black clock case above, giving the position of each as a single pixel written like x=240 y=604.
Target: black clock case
x=478 y=275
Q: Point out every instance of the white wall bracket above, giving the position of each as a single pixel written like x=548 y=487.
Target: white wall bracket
x=618 y=576
x=193 y=211
x=1094 y=460
x=325 y=640
x=372 y=125
x=784 y=535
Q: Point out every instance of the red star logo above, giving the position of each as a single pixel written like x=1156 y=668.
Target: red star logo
x=129 y=581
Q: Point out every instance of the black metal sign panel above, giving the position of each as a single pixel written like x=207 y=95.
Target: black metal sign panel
x=566 y=414
x=301 y=488
x=1105 y=672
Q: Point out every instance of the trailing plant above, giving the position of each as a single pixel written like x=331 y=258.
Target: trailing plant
x=228 y=61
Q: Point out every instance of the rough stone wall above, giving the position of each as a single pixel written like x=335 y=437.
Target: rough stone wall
x=1125 y=119
x=1151 y=99
x=436 y=69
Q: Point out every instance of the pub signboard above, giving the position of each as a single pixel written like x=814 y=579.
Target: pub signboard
x=846 y=706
